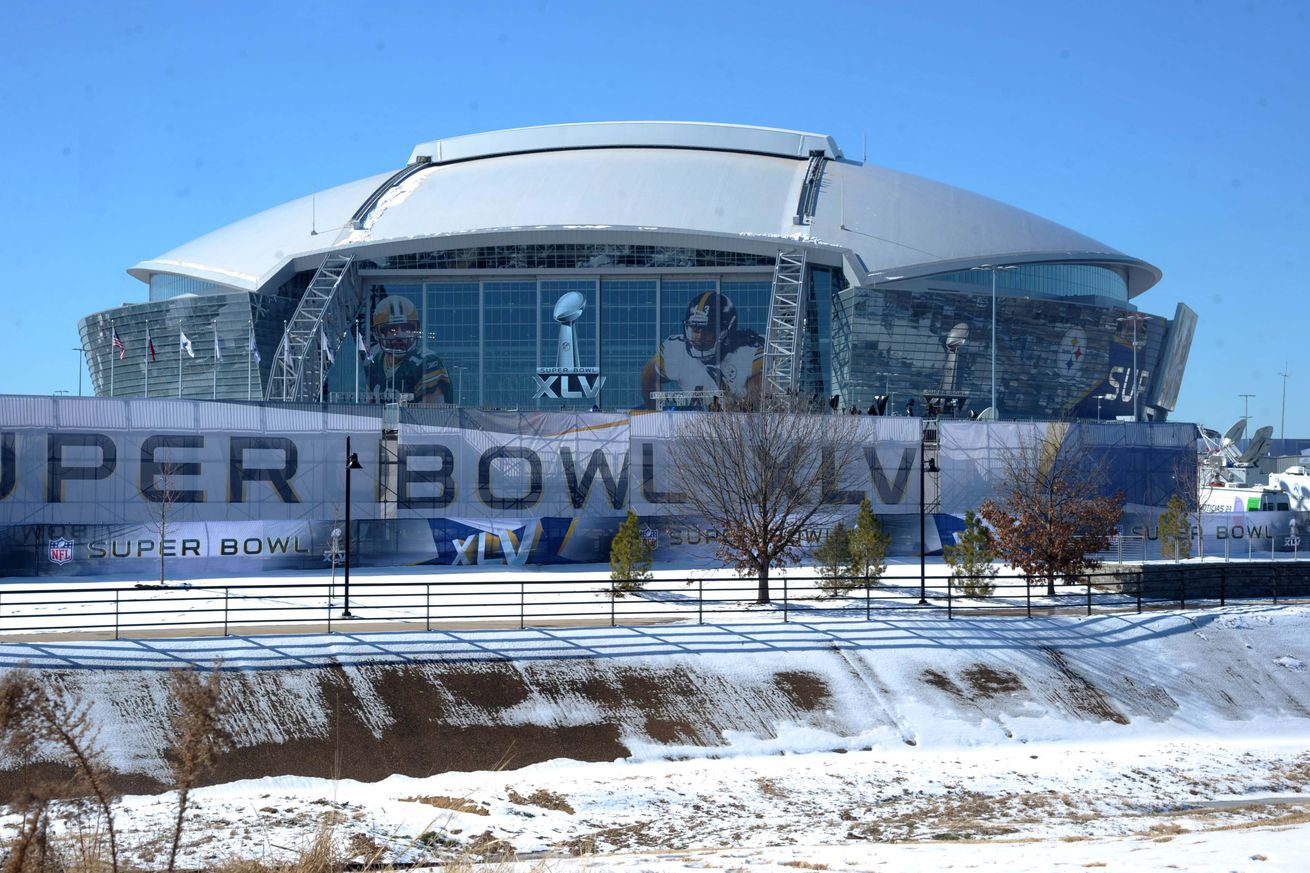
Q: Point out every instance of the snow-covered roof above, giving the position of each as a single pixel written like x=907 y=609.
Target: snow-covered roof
x=646 y=180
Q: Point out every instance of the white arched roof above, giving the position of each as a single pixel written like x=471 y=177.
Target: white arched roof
x=645 y=179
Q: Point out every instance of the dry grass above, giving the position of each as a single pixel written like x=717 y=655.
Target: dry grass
x=319 y=855
x=454 y=804
x=541 y=798
x=1297 y=816
x=42 y=723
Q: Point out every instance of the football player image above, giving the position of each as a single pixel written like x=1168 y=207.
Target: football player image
x=711 y=354
x=397 y=366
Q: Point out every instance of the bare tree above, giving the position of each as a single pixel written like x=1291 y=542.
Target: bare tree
x=1056 y=511
x=1185 y=503
x=763 y=479
x=160 y=487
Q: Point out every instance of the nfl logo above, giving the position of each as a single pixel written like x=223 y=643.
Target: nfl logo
x=61 y=551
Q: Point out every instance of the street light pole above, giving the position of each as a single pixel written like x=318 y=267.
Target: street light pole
x=923 y=545
x=926 y=465
x=352 y=463
x=81 y=350
x=1246 y=411
x=459 y=389
x=1135 y=318
x=1282 y=415
x=886 y=391
x=992 y=268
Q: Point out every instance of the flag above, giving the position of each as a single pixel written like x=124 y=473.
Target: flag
x=118 y=344
x=327 y=349
x=150 y=344
x=185 y=344
x=361 y=346
x=218 y=352
x=254 y=349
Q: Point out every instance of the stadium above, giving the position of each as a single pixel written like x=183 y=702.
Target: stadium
x=508 y=325
x=829 y=277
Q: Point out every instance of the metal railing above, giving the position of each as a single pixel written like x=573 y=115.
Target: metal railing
x=1131 y=548
x=98 y=610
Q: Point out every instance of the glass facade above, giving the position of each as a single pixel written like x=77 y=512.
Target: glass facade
x=219 y=326
x=629 y=331
x=675 y=320
x=489 y=336
x=1039 y=280
x=567 y=256
x=1054 y=359
x=163 y=286
x=453 y=327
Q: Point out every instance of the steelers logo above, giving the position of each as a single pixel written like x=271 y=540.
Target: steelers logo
x=1071 y=354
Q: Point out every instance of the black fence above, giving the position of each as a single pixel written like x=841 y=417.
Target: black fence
x=101 y=611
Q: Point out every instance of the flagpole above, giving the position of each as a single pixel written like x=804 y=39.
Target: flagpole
x=113 y=332
x=249 y=357
x=147 y=358
x=356 y=361
x=180 y=333
x=320 y=366
x=213 y=391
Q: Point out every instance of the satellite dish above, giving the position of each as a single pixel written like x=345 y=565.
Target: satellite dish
x=1234 y=433
x=1259 y=445
x=568 y=308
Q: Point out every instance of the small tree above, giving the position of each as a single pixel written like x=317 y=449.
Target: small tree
x=1054 y=515
x=833 y=557
x=630 y=557
x=1187 y=493
x=970 y=559
x=1174 y=528
x=869 y=544
x=163 y=497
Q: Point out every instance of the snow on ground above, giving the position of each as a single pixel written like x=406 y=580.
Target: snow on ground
x=1204 y=765
x=1134 y=805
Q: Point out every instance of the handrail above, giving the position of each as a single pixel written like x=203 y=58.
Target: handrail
x=431 y=603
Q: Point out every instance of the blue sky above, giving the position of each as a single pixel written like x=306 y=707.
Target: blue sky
x=1174 y=131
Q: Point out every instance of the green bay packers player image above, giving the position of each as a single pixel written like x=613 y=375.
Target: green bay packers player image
x=397 y=365
x=711 y=354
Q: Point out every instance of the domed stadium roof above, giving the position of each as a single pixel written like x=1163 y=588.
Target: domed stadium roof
x=708 y=185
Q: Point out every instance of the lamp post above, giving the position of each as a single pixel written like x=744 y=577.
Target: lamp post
x=459 y=389
x=992 y=268
x=1282 y=415
x=352 y=463
x=886 y=391
x=928 y=465
x=81 y=351
x=1246 y=410
x=1135 y=318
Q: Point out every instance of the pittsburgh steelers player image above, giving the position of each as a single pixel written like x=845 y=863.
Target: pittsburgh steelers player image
x=397 y=365
x=711 y=354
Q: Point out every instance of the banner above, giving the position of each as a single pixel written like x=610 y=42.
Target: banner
x=102 y=486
